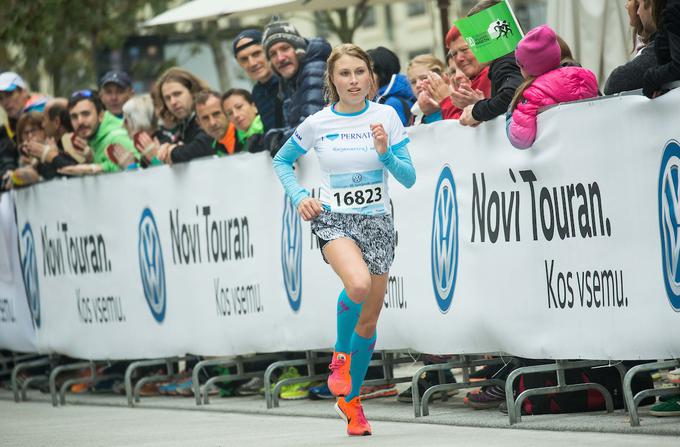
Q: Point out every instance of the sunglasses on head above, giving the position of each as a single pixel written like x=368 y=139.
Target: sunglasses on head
x=82 y=94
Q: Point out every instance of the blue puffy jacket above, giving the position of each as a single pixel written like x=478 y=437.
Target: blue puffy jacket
x=302 y=94
x=399 y=95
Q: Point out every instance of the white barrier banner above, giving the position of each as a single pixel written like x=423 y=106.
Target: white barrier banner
x=17 y=332
x=566 y=250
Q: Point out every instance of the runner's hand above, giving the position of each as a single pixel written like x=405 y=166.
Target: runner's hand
x=309 y=208
x=379 y=138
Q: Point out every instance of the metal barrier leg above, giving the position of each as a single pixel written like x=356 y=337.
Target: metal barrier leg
x=24 y=366
x=271 y=396
x=632 y=402
x=195 y=375
x=282 y=383
x=93 y=380
x=27 y=382
x=129 y=392
x=238 y=362
x=170 y=372
x=515 y=405
x=58 y=370
x=223 y=379
x=420 y=406
x=622 y=370
x=425 y=401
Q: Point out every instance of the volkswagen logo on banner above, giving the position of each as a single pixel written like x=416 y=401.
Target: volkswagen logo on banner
x=669 y=220
x=291 y=254
x=151 y=267
x=444 y=239
x=29 y=270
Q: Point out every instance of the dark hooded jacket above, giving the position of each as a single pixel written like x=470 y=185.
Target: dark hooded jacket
x=268 y=103
x=505 y=77
x=8 y=152
x=302 y=95
x=667 y=49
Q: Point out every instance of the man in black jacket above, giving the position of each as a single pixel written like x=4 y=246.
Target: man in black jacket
x=9 y=157
x=177 y=89
x=301 y=65
x=249 y=54
x=505 y=77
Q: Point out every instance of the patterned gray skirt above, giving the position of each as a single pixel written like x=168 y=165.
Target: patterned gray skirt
x=374 y=235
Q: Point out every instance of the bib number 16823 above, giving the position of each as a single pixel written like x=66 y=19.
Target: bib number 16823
x=358 y=196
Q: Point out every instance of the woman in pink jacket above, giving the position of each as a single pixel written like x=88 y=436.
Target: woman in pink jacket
x=546 y=82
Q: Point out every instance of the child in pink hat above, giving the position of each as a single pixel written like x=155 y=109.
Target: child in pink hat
x=546 y=82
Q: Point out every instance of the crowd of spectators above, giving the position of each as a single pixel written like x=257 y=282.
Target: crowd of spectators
x=181 y=119
x=113 y=129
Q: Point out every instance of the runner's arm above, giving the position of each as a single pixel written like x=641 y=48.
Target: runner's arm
x=283 y=166
x=398 y=161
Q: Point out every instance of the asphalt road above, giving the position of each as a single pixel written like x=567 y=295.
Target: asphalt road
x=39 y=424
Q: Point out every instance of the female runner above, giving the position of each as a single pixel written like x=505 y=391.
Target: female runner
x=357 y=142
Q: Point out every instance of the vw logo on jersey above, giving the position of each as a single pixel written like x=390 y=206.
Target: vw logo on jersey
x=356 y=178
x=29 y=270
x=444 y=239
x=291 y=254
x=151 y=267
x=669 y=221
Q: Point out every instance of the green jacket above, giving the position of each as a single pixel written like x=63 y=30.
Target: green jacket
x=110 y=131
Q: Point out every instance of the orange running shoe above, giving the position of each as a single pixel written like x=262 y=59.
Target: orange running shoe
x=340 y=382
x=353 y=413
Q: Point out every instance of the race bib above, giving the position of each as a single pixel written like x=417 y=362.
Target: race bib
x=358 y=192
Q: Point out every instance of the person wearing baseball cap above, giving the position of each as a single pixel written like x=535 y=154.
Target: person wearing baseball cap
x=249 y=54
x=115 y=88
x=16 y=98
x=301 y=64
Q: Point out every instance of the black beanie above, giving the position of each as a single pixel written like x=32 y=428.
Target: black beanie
x=281 y=31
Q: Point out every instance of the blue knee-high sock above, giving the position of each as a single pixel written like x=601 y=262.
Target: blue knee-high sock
x=348 y=315
x=362 y=351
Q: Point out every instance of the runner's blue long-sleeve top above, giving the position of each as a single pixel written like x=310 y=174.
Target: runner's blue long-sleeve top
x=396 y=159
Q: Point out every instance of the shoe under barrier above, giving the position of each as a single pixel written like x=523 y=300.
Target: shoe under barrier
x=631 y=401
x=238 y=362
x=131 y=393
x=387 y=362
x=421 y=405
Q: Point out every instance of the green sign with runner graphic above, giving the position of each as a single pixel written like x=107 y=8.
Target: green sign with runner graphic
x=491 y=33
